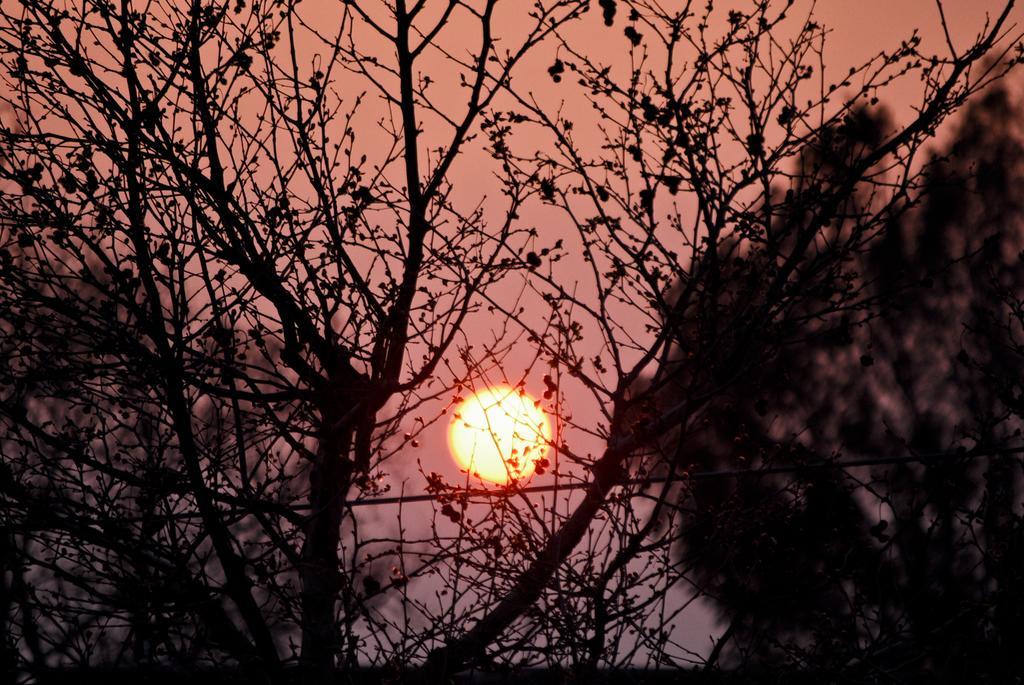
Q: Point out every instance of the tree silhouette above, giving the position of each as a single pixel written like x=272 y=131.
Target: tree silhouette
x=907 y=567
x=244 y=274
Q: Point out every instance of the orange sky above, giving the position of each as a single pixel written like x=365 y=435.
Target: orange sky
x=860 y=29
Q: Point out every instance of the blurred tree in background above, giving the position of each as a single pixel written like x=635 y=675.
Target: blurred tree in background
x=895 y=568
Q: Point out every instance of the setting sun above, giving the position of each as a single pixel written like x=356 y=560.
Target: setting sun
x=499 y=434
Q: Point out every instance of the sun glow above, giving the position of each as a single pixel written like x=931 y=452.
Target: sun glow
x=499 y=434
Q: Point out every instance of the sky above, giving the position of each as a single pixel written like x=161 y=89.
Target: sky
x=860 y=29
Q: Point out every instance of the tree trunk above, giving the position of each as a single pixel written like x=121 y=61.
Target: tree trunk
x=320 y=574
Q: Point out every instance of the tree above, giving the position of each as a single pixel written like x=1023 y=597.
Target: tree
x=913 y=563
x=240 y=284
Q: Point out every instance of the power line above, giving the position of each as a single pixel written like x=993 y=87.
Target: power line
x=926 y=459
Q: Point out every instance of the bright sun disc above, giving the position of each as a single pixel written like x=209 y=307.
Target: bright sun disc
x=498 y=434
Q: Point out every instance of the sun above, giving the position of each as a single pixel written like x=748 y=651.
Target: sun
x=499 y=433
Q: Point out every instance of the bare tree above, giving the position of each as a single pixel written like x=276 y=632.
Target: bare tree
x=240 y=284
